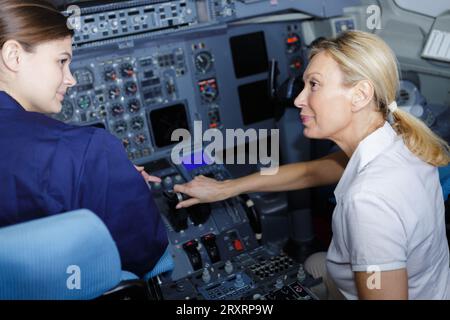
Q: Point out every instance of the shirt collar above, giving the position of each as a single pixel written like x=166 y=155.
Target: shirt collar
x=368 y=149
x=8 y=102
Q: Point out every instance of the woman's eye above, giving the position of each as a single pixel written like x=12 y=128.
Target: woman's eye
x=63 y=61
x=313 y=84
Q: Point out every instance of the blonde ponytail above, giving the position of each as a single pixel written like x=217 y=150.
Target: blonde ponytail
x=365 y=56
x=420 y=140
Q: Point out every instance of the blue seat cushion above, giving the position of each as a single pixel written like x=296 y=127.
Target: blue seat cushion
x=65 y=256
x=164 y=264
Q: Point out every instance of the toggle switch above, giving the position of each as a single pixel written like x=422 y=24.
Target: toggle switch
x=209 y=241
x=193 y=254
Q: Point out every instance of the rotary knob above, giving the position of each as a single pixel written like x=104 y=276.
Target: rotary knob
x=127 y=70
x=131 y=88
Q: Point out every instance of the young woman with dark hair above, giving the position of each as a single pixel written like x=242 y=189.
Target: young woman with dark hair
x=48 y=167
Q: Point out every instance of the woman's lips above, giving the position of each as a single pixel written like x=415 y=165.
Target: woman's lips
x=305 y=118
x=60 y=95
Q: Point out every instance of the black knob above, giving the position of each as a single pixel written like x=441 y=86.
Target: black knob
x=199 y=213
x=177 y=218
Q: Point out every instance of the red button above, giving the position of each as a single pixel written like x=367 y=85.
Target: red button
x=237 y=244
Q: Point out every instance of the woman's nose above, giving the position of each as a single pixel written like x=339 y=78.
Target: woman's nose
x=70 y=80
x=299 y=101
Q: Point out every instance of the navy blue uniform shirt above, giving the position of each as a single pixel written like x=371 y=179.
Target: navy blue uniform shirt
x=48 y=167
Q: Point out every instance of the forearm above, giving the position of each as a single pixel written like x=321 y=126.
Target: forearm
x=295 y=176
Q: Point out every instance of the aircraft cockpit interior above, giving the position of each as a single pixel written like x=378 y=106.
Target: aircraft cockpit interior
x=220 y=89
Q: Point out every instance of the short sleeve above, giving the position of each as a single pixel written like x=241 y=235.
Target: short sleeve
x=112 y=188
x=374 y=235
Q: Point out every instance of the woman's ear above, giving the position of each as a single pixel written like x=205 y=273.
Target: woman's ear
x=11 y=53
x=362 y=95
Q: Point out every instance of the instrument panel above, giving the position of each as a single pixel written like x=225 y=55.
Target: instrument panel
x=217 y=254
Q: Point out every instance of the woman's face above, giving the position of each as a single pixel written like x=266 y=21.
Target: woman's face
x=45 y=76
x=325 y=102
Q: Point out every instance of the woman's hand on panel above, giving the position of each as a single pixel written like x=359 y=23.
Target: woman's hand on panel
x=202 y=190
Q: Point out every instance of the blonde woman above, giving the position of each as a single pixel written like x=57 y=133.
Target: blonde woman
x=389 y=238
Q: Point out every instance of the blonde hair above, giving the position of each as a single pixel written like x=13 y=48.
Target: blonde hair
x=365 y=56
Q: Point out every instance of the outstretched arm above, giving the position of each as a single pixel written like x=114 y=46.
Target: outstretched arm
x=301 y=175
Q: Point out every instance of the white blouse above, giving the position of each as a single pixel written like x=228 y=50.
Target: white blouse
x=390 y=215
